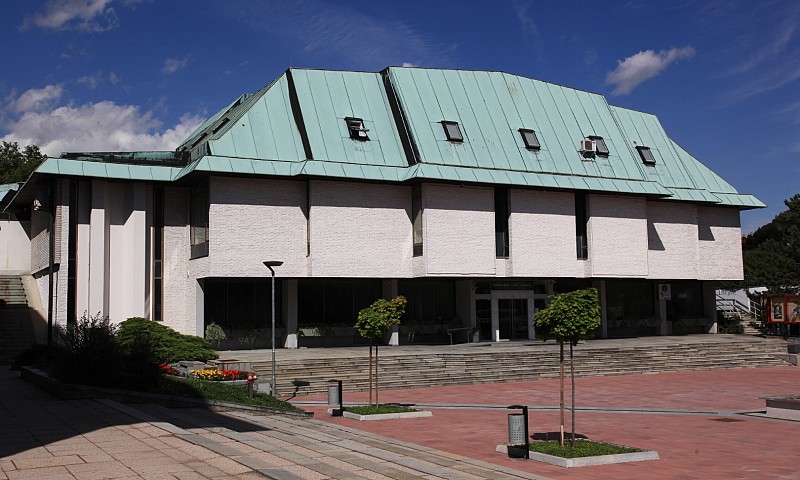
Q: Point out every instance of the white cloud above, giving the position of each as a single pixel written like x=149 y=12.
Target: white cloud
x=645 y=65
x=81 y=15
x=172 y=65
x=409 y=64
x=100 y=126
x=38 y=99
x=323 y=29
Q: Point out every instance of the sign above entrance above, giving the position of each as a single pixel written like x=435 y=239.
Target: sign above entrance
x=512 y=285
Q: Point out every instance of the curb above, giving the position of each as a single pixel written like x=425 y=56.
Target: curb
x=70 y=391
x=587 y=461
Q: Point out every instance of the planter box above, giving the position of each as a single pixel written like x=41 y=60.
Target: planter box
x=384 y=416
x=584 y=461
x=786 y=407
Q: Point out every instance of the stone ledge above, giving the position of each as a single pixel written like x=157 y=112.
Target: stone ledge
x=384 y=416
x=70 y=391
x=587 y=461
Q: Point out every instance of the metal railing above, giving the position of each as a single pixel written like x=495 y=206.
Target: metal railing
x=733 y=305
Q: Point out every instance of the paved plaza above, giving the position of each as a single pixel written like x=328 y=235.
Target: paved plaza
x=704 y=425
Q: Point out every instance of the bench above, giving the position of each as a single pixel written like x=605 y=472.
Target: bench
x=467 y=330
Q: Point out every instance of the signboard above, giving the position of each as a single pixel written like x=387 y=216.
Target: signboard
x=784 y=309
x=511 y=285
x=664 y=291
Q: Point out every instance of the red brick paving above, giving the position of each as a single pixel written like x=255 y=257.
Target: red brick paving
x=690 y=446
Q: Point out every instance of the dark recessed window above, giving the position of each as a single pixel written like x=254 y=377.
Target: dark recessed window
x=453 y=131
x=356 y=128
x=599 y=145
x=530 y=139
x=647 y=155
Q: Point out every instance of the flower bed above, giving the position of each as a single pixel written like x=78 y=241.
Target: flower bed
x=167 y=369
x=219 y=375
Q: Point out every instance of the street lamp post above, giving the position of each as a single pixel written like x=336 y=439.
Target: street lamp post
x=269 y=264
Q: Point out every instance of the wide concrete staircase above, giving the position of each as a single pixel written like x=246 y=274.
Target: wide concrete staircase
x=16 y=333
x=484 y=364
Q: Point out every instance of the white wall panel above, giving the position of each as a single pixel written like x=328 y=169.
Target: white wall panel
x=672 y=240
x=542 y=229
x=360 y=230
x=458 y=232
x=617 y=236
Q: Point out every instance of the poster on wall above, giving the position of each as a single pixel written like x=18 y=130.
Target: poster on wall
x=784 y=309
x=792 y=310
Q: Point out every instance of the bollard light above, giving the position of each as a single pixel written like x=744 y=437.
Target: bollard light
x=524 y=409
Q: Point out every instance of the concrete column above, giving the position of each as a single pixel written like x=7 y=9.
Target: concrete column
x=390 y=291
x=495 y=320
x=710 y=305
x=290 y=312
x=600 y=285
x=83 y=239
x=200 y=307
x=98 y=251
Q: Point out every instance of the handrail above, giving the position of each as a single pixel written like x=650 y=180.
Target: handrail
x=733 y=305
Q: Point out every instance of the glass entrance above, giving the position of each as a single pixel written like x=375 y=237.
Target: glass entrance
x=513 y=317
x=483 y=317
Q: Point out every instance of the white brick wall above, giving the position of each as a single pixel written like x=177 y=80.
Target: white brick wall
x=15 y=246
x=253 y=220
x=542 y=229
x=720 y=243
x=672 y=239
x=618 y=236
x=458 y=231
x=179 y=291
x=360 y=230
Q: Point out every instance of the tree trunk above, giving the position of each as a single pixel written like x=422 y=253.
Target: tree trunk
x=377 y=402
x=561 y=388
x=572 y=374
x=370 y=372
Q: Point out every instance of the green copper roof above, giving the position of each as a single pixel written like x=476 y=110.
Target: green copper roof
x=295 y=126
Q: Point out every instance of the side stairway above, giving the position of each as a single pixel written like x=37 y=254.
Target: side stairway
x=487 y=365
x=16 y=333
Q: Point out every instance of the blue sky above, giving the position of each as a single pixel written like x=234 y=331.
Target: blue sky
x=723 y=76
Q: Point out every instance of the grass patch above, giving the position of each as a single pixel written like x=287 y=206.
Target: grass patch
x=221 y=392
x=582 y=448
x=379 y=409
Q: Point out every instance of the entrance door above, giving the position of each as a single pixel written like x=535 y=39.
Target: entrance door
x=513 y=317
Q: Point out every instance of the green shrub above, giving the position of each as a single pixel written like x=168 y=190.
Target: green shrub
x=165 y=344
x=38 y=356
x=87 y=353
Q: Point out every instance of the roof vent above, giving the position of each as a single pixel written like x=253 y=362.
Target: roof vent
x=356 y=128
x=588 y=147
x=530 y=139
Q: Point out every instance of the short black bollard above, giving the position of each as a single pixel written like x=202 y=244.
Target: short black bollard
x=251 y=380
x=527 y=452
x=332 y=399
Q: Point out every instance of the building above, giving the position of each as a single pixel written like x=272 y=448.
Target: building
x=475 y=194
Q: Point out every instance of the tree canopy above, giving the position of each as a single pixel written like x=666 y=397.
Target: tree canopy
x=17 y=165
x=771 y=254
x=375 y=320
x=569 y=317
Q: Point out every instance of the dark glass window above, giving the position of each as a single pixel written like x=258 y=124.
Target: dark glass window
x=243 y=308
x=334 y=302
x=687 y=300
x=198 y=221
x=530 y=139
x=501 y=214
x=646 y=155
x=630 y=299
x=452 y=131
x=581 y=226
x=599 y=145
x=416 y=217
x=431 y=302
x=356 y=128
x=158 y=252
x=72 y=266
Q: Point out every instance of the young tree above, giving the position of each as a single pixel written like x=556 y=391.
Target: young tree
x=17 y=165
x=373 y=323
x=568 y=318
